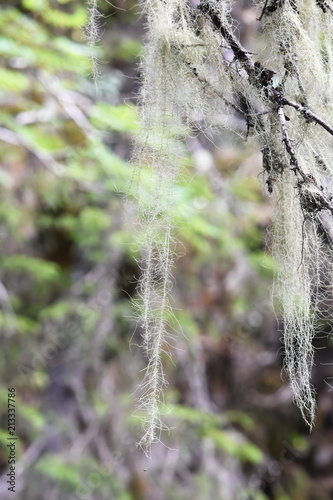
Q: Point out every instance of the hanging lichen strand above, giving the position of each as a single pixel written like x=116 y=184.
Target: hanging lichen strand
x=195 y=71
x=92 y=36
x=302 y=244
x=160 y=148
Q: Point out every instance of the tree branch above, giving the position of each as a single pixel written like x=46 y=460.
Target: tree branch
x=286 y=140
x=259 y=76
x=307 y=114
x=324 y=6
x=240 y=53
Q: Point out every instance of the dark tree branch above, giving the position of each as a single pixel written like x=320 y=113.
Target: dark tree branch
x=263 y=11
x=240 y=53
x=259 y=76
x=307 y=114
x=324 y=6
x=270 y=8
x=286 y=140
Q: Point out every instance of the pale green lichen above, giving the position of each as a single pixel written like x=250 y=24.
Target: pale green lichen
x=195 y=72
x=92 y=36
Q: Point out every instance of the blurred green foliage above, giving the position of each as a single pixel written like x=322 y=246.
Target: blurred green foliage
x=68 y=265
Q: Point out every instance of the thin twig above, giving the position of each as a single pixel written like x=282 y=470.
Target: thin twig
x=67 y=102
x=263 y=11
x=48 y=161
x=307 y=114
x=286 y=140
x=203 y=80
x=45 y=158
x=241 y=54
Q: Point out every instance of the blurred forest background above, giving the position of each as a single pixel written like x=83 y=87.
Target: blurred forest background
x=70 y=345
